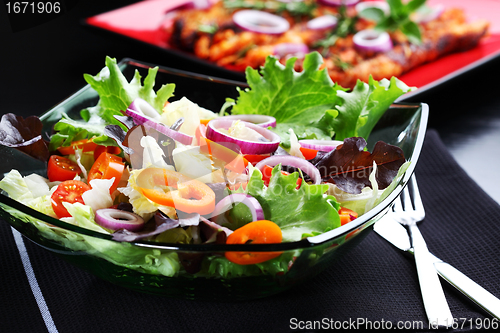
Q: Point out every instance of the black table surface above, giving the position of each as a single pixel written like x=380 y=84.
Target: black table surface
x=43 y=65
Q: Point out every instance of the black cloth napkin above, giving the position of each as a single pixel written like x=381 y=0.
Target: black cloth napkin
x=374 y=283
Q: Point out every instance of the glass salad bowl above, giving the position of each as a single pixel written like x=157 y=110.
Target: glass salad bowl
x=163 y=268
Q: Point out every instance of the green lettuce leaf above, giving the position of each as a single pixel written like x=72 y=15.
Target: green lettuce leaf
x=69 y=130
x=220 y=266
x=288 y=96
x=296 y=100
x=296 y=211
x=360 y=109
x=115 y=95
x=311 y=104
x=16 y=187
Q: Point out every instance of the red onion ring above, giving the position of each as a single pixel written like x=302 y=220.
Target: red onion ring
x=427 y=14
x=382 y=5
x=141 y=106
x=322 y=22
x=115 y=219
x=247 y=147
x=142 y=119
x=257 y=119
x=260 y=22
x=372 y=40
x=291 y=49
x=292 y=161
x=249 y=201
x=338 y=3
x=321 y=145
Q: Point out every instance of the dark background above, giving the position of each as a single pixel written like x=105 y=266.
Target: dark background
x=42 y=65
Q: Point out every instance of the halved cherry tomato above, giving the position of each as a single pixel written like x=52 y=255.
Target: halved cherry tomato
x=233 y=161
x=173 y=189
x=267 y=172
x=347 y=215
x=107 y=166
x=308 y=153
x=61 y=168
x=85 y=145
x=106 y=149
x=257 y=232
x=69 y=191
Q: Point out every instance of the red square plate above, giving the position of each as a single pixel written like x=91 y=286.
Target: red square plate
x=142 y=21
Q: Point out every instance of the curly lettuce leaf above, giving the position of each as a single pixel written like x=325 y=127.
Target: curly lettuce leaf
x=294 y=99
x=296 y=211
x=287 y=95
x=311 y=104
x=69 y=130
x=115 y=95
x=360 y=110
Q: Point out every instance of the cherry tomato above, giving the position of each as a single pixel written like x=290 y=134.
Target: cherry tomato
x=257 y=232
x=308 y=153
x=85 y=145
x=106 y=149
x=61 y=168
x=107 y=166
x=68 y=191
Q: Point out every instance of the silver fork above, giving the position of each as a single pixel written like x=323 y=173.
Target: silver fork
x=408 y=211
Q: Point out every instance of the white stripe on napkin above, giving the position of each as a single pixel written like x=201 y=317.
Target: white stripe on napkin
x=35 y=288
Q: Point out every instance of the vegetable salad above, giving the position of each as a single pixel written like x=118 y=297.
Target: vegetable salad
x=142 y=165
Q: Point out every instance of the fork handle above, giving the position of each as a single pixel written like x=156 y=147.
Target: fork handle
x=468 y=287
x=436 y=307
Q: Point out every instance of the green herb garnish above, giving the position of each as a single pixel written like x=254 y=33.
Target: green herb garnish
x=345 y=26
x=208 y=28
x=398 y=19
